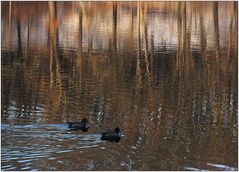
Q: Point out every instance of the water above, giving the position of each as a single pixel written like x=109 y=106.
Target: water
x=164 y=72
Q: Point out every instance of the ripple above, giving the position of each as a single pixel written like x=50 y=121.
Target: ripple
x=52 y=143
x=222 y=167
x=6 y=166
x=64 y=151
x=25 y=160
x=193 y=169
x=11 y=168
x=25 y=168
x=118 y=72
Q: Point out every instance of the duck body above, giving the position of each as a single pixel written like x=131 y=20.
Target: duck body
x=111 y=135
x=79 y=125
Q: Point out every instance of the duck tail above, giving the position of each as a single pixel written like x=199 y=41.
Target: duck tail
x=103 y=135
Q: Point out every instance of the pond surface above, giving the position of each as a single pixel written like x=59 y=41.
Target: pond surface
x=164 y=72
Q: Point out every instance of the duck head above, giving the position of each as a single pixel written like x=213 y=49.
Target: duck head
x=117 y=130
x=86 y=123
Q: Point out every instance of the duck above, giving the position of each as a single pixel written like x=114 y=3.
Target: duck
x=111 y=135
x=79 y=125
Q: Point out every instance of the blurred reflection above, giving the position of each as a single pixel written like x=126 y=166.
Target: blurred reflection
x=164 y=72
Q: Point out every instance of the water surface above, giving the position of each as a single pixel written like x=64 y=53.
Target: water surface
x=164 y=72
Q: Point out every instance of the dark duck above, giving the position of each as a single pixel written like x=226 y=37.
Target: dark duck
x=111 y=135
x=82 y=125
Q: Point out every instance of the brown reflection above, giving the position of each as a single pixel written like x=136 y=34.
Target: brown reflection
x=56 y=97
x=216 y=28
x=203 y=38
x=10 y=16
x=161 y=71
x=78 y=68
x=19 y=39
x=114 y=28
x=80 y=36
x=89 y=30
x=138 y=70
x=146 y=38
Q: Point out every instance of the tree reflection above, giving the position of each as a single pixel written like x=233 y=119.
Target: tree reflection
x=171 y=85
x=56 y=97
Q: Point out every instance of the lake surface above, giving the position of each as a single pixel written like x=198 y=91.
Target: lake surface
x=164 y=72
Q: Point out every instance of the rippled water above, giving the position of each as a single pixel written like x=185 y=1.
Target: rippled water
x=164 y=72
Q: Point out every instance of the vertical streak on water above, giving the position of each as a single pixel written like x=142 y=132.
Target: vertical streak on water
x=188 y=39
x=151 y=54
x=145 y=22
x=179 y=23
x=19 y=38
x=56 y=91
x=89 y=30
x=217 y=62
x=196 y=122
x=80 y=30
x=114 y=30
x=216 y=30
x=10 y=19
x=230 y=32
x=236 y=34
x=203 y=38
x=5 y=87
x=79 y=60
x=138 y=71
x=131 y=46
x=184 y=16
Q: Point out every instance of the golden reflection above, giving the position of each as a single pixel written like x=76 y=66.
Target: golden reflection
x=138 y=70
x=165 y=72
x=56 y=93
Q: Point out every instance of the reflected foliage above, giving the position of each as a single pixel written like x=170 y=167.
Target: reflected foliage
x=164 y=72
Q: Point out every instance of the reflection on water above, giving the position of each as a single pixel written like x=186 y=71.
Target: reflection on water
x=164 y=72
x=42 y=142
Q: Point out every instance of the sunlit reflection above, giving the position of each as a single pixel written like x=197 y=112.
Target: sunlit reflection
x=164 y=72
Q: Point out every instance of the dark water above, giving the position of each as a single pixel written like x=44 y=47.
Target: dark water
x=164 y=72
